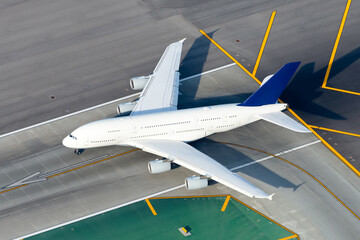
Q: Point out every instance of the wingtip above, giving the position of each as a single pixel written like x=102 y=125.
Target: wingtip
x=182 y=40
x=270 y=196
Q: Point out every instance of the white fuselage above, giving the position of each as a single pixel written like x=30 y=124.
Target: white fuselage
x=182 y=125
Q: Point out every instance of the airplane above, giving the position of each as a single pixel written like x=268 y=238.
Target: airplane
x=156 y=126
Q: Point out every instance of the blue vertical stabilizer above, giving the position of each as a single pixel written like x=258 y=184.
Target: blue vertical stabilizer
x=270 y=91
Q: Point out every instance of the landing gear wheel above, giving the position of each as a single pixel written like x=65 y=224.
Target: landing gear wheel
x=79 y=151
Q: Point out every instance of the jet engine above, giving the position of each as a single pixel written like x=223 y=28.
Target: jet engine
x=138 y=83
x=126 y=107
x=195 y=182
x=159 y=166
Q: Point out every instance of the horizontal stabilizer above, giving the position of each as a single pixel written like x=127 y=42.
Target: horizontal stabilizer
x=283 y=120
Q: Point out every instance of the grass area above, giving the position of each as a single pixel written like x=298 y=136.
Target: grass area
x=201 y=215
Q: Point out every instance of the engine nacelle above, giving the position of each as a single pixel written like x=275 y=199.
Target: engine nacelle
x=195 y=182
x=138 y=83
x=126 y=107
x=159 y=166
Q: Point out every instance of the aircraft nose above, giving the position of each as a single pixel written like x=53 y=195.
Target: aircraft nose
x=67 y=142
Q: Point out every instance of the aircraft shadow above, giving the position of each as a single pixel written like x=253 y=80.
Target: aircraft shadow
x=194 y=61
x=232 y=157
x=306 y=86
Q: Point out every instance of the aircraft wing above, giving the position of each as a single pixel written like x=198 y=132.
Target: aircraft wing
x=187 y=156
x=162 y=90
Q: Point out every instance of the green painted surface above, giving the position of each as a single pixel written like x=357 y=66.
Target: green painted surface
x=201 y=215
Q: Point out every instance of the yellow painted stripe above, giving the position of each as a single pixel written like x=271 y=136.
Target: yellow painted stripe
x=336 y=43
x=196 y=196
x=108 y=158
x=73 y=169
x=205 y=196
x=291 y=111
x=225 y=203
x=327 y=144
x=336 y=131
x=264 y=43
x=231 y=57
x=151 y=207
x=289 y=237
x=341 y=90
x=298 y=167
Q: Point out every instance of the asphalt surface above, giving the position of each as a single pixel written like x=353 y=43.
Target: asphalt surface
x=83 y=53
x=64 y=56
x=300 y=203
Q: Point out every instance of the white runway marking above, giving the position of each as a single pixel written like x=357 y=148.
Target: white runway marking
x=162 y=192
x=276 y=154
x=107 y=103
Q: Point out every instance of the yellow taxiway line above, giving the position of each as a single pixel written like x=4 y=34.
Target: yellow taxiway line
x=228 y=197
x=151 y=207
x=346 y=162
x=296 y=166
x=336 y=43
x=327 y=74
x=231 y=57
x=336 y=131
x=73 y=169
x=289 y=237
x=225 y=203
x=264 y=42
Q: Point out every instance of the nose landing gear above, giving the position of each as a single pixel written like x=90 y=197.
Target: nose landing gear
x=79 y=151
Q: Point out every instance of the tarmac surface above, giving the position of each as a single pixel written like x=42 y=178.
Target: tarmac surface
x=83 y=53
x=60 y=57
x=300 y=203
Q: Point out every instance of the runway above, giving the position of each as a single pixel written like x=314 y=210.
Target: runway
x=300 y=203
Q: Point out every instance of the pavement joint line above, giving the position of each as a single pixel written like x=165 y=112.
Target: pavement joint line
x=301 y=169
x=104 y=211
x=177 y=187
x=333 y=130
x=264 y=42
x=107 y=103
x=151 y=207
x=225 y=203
x=275 y=155
x=333 y=150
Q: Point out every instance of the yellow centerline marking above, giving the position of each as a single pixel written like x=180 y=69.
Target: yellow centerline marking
x=231 y=57
x=229 y=196
x=336 y=43
x=298 y=167
x=73 y=169
x=289 y=237
x=264 y=42
x=290 y=110
x=10 y=189
x=346 y=162
x=225 y=203
x=151 y=207
x=336 y=131
x=341 y=90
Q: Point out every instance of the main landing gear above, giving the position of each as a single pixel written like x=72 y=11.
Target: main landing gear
x=79 y=151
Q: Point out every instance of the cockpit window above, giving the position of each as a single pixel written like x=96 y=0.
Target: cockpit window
x=73 y=137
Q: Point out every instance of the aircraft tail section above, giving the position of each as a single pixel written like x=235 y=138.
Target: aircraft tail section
x=281 y=119
x=270 y=91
